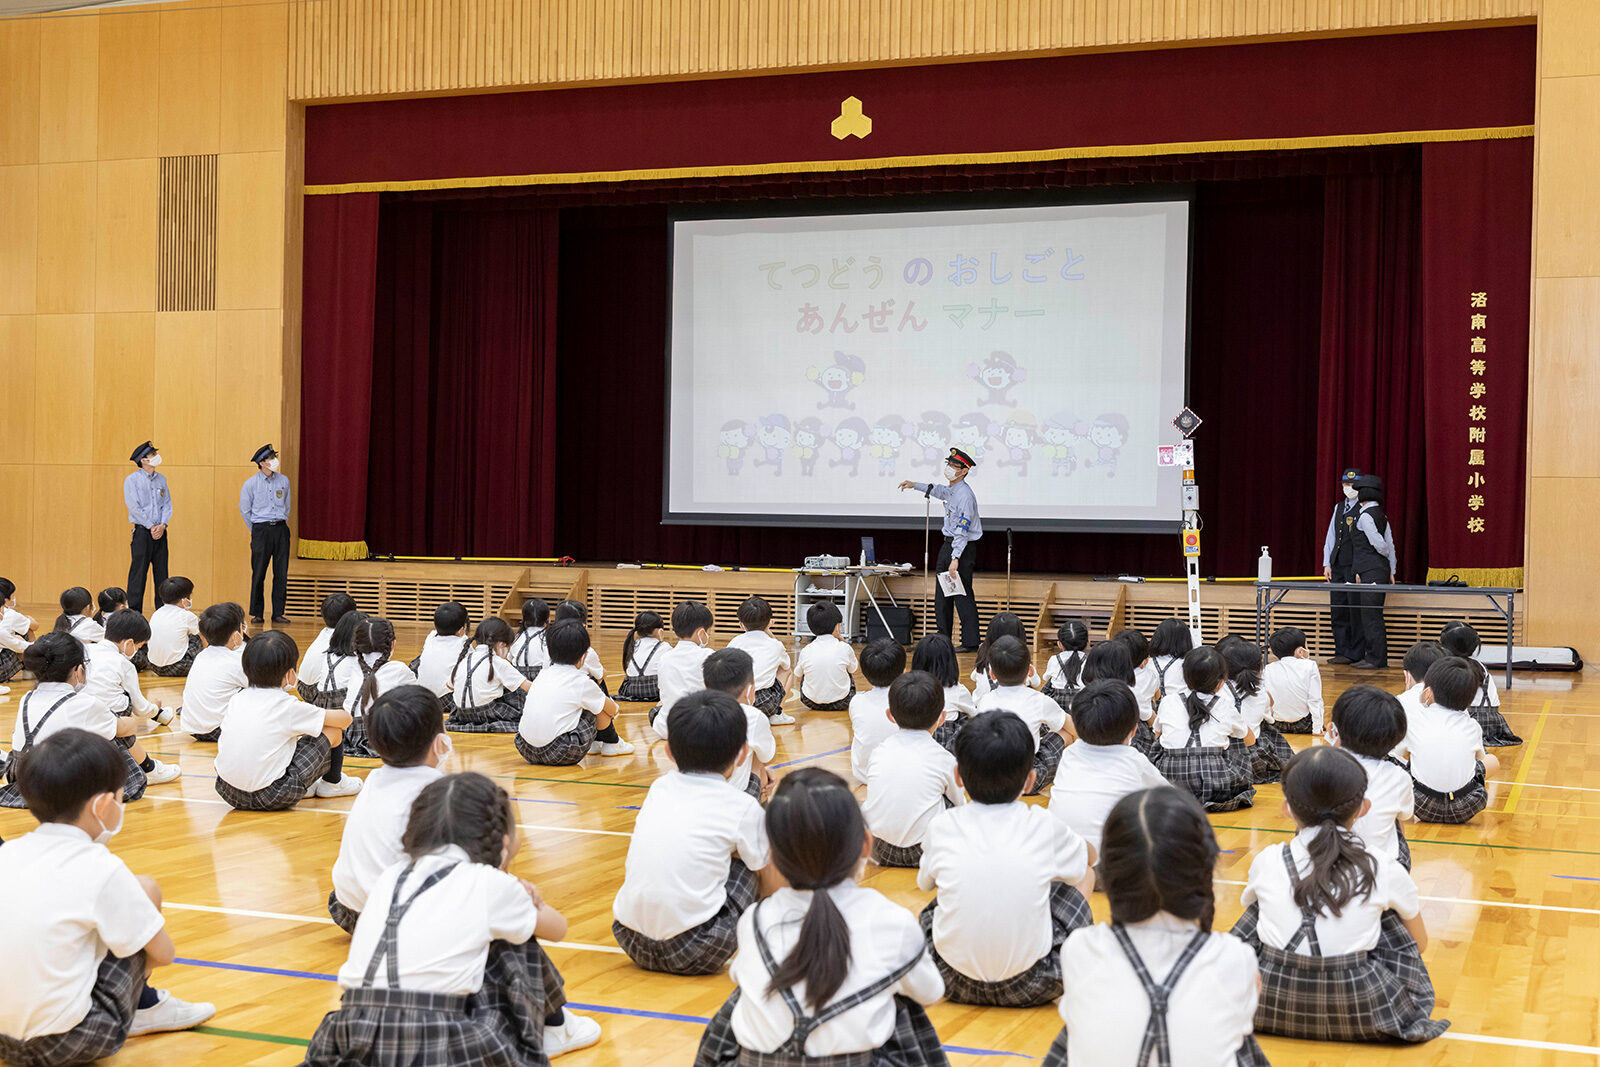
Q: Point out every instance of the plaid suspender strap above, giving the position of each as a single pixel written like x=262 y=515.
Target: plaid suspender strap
x=639 y=671
x=1194 y=735
x=527 y=647
x=29 y=733
x=1308 y=918
x=327 y=678
x=388 y=943
x=1155 y=1031
x=805 y=1024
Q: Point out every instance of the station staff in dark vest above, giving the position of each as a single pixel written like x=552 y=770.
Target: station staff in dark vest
x=1338 y=566
x=264 y=503
x=962 y=529
x=149 y=510
x=1375 y=567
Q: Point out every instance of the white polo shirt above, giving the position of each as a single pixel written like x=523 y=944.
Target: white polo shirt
x=689 y=829
x=439 y=655
x=1389 y=790
x=1172 y=722
x=909 y=778
x=766 y=652
x=682 y=672
x=85 y=629
x=1146 y=682
x=1359 y=922
x=758 y=735
x=170 y=629
x=1092 y=778
x=869 y=725
x=374 y=827
x=264 y=725
x=646 y=659
x=982 y=686
x=80 y=710
x=556 y=702
x=992 y=866
x=112 y=679
x=1169 y=675
x=14 y=626
x=476 y=669
x=824 y=668
x=1443 y=746
x=1252 y=709
x=958 y=703
x=1211 y=1010
x=391 y=675
x=313 y=663
x=64 y=903
x=883 y=938
x=1295 y=686
x=1055 y=671
x=444 y=939
x=528 y=651
x=1029 y=705
x=216 y=676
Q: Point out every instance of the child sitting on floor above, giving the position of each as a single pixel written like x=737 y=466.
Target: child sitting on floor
x=441 y=649
x=1462 y=640
x=641 y=682
x=1157 y=868
x=15 y=632
x=566 y=717
x=1001 y=624
x=445 y=965
x=1168 y=645
x=1337 y=930
x=373 y=645
x=1414 y=668
x=824 y=967
x=338 y=669
x=174 y=630
x=910 y=777
x=695 y=847
x=731 y=671
x=79 y=932
x=771 y=659
x=405 y=726
x=111 y=677
x=1010 y=879
x=1195 y=732
x=937 y=655
x=77 y=616
x=528 y=654
x=1293 y=682
x=1444 y=746
x=881 y=663
x=680 y=672
x=111 y=598
x=1011 y=667
x=314 y=664
x=1061 y=674
x=1101 y=766
x=277 y=749
x=1270 y=751
x=1369 y=723
x=487 y=693
x=217 y=675
x=824 y=667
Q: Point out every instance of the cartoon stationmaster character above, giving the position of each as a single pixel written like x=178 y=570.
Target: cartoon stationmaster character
x=1061 y=431
x=846 y=373
x=969 y=433
x=734 y=439
x=1108 y=434
x=1017 y=438
x=809 y=434
x=773 y=435
x=933 y=440
x=999 y=374
x=888 y=436
x=849 y=437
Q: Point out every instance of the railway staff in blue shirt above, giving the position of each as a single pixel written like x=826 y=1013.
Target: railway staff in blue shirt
x=149 y=510
x=962 y=528
x=264 y=503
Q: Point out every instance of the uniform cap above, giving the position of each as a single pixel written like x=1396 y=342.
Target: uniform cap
x=264 y=453
x=143 y=451
x=1350 y=475
x=960 y=458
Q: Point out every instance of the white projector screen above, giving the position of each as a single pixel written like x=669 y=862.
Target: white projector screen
x=818 y=360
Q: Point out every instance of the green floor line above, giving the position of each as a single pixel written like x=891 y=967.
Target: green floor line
x=1431 y=841
x=250 y=1035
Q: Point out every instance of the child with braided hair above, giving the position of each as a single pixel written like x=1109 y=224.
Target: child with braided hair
x=445 y=964
x=486 y=692
x=374 y=645
x=528 y=653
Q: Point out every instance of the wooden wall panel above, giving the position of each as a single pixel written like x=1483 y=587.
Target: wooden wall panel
x=250 y=198
x=1568 y=159
x=351 y=48
x=63 y=383
x=109 y=530
x=186 y=386
x=69 y=91
x=67 y=223
x=129 y=81
x=249 y=385
x=230 y=538
x=189 y=115
x=252 y=102
x=63 y=515
x=16 y=533
x=194 y=511
x=186 y=268
x=124 y=401
x=18 y=359
x=125 y=249
x=19 y=91
x=19 y=244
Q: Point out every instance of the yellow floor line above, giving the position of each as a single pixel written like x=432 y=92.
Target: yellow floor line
x=1515 y=796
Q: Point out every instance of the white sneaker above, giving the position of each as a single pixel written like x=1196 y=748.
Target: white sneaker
x=170 y=1013
x=783 y=718
x=348 y=785
x=595 y=747
x=164 y=716
x=615 y=748
x=4 y=689
x=575 y=1032
x=160 y=774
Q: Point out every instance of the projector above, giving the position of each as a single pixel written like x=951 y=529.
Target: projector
x=827 y=563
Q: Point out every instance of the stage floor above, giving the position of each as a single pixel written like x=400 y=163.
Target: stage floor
x=1512 y=901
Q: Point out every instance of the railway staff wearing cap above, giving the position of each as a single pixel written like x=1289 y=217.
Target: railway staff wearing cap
x=264 y=503
x=1338 y=565
x=962 y=528
x=150 y=510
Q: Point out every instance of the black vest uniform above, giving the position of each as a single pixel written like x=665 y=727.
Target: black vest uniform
x=1371 y=564
x=1344 y=538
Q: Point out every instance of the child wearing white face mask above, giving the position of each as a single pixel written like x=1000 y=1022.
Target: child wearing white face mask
x=681 y=665
x=405 y=726
x=78 y=930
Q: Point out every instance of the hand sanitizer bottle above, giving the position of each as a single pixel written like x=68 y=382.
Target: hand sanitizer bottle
x=1264 y=566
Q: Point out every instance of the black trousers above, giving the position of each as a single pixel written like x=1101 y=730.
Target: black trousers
x=269 y=542
x=944 y=607
x=1348 y=641
x=1369 y=613
x=149 y=553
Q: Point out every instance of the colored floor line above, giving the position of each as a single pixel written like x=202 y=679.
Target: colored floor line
x=1431 y=841
x=1518 y=905
x=1575 y=878
x=251 y=1035
x=1514 y=798
x=345 y=812
x=807 y=759
x=510 y=777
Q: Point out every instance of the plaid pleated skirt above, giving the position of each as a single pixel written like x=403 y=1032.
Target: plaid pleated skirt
x=1269 y=754
x=500 y=716
x=1046 y=760
x=1497 y=733
x=769 y=701
x=327 y=699
x=1062 y=697
x=10 y=664
x=842 y=704
x=310 y=761
x=1218 y=780
x=886 y=855
x=343 y=917
x=753 y=786
x=640 y=689
x=567 y=749
x=180 y=667
x=1298 y=726
x=945 y=732
x=212 y=735
x=1035 y=987
x=355 y=739
x=1144 y=740
x=101 y=1032
x=914 y=1043
x=703 y=949
x=132 y=789
x=1405 y=846
x=1249 y=1054
x=1453 y=808
x=1383 y=994
x=501 y=1025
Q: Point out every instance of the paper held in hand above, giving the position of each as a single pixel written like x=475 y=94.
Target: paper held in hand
x=950 y=584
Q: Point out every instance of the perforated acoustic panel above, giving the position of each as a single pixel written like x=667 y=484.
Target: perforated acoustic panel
x=186 y=265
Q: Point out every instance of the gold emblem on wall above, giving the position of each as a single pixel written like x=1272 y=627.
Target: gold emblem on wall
x=852 y=121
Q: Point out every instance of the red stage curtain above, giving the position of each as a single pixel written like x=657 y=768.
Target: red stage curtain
x=341 y=241
x=1477 y=209
x=463 y=449
x=1372 y=411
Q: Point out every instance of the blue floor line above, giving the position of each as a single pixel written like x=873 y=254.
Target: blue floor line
x=532 y=800
x=1575 y=878
x=807 y=759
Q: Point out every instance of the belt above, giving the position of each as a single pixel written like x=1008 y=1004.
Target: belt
x=271 y=522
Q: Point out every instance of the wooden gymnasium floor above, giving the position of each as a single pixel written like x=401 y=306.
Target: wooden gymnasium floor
x=1512 y=900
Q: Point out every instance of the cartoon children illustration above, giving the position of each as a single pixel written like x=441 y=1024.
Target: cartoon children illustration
x=1061 y=431
x=999 y=374
x=1108 y=434
x=773 y=435
x=970 y=433
x=887 y=438
x=849 y=437
x=1017 y=438
x=933 y=440
x=846 y=373
x=735 y=438
x=809 y=434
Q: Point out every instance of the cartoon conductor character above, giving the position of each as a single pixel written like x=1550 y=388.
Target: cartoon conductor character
x=999 y=374
x=933 y=440
x=969 y=433
x=1061 y=431
x=888 y=436
x=1108 y=434
x=846 y=373
x=1017 y=438
x=809 y=434
x=850 y=437
x=773 y=435
x=734 y=439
